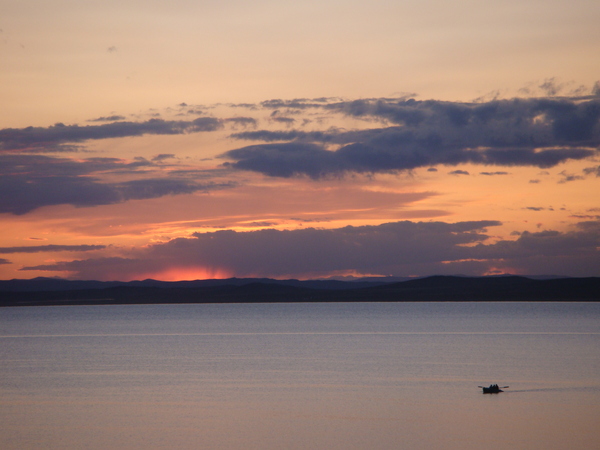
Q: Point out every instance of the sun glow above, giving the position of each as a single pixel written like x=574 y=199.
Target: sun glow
x=190 y=273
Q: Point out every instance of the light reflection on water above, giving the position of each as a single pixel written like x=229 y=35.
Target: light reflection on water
x=384 y=375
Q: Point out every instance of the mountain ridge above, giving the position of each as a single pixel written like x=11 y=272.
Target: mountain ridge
x=264 y=290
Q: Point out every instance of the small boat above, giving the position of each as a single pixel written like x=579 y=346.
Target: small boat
x=492 y=389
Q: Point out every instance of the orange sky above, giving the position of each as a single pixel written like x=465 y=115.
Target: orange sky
x=403 y=113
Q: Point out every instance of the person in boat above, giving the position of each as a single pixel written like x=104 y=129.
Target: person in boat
x=493 y=389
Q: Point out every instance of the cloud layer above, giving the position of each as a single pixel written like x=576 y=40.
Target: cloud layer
x=51 y=248
x=519 y=132
x=28 y=182
x=409 y=248
x=306 y=138
x=54 y=137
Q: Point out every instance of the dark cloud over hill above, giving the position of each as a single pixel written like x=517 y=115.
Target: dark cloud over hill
x=399 y=247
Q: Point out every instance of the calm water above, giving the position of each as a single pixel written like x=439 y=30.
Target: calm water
x=301 y=376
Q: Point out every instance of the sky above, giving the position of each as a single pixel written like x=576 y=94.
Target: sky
x=212 y=139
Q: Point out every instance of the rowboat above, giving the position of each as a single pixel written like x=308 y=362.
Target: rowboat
x=492 y=389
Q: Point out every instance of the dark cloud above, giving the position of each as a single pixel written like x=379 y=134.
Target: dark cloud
x=552 y=86
x=299 y=103
x=400 y=248
x=243 y=121
x=51 y=248
x=259 y=224
x=592 y=171
x=585 y=216
x=571 y=253
x=28 y=182
x=106 y=268
x=284 y=120
x=286 y=160
x=458 y=172
x=567 y=177
x=493 y=173
x=40 y=166
x=107 y=119
x=520 y=132
x=39 y=138
x=251 y=106
x=159 y=187
x=515 y=122
x=386 y=248
x=307 y=220
x=163 y=156
x=4 y=261
x=21 y=195
x=291 y=135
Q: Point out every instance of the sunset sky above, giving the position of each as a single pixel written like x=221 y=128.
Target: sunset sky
x=209 y=139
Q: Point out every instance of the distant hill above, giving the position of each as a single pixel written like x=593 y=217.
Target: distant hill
x=48 y=291
x=59 y=284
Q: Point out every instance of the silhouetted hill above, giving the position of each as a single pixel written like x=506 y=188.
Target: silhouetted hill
x=59 y=284
x=502 y=288
x=436 y=288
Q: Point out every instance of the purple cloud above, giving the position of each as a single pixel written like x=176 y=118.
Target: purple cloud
x=40 y=138
x=519 y=132
x=28 y=182
x=400 y=248
x=51 y=248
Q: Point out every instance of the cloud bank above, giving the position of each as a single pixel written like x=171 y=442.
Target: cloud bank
x=399 y=248
x=519 y=132
x=28 y=182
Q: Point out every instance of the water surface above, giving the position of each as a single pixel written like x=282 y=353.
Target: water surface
x=296 y=376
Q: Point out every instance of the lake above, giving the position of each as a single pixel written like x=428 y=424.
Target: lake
x=301 y=376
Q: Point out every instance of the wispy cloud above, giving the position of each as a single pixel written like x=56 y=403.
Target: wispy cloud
x=107 y=118
x=493 y=173
x=51 y=248
x=592 y=171
x=48 y=138
x=29 y=182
